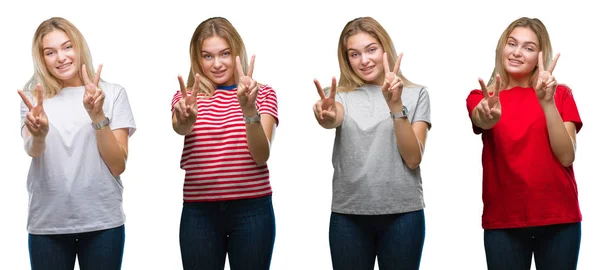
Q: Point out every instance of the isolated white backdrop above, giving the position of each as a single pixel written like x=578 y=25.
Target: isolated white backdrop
x=447 y=45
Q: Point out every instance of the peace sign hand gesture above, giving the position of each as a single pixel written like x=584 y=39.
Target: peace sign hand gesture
x=186 y=110
x=36 y=120
x=392 y=84
x=93 y=97
x=546 y=83
x=247 y=89
x=325 y=109
x=489 y=107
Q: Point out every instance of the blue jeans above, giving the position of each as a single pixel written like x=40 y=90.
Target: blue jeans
x=553 y=246
x=396 y=240
x=244 y=229
x=95 y=250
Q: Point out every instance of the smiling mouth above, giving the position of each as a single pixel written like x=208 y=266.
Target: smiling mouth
x=513 y=61
x=368 y=68
x=64 y=66
x=219 y=73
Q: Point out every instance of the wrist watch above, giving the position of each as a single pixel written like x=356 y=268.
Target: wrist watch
x=101 y=124
x=401 y=114
x=252 y=119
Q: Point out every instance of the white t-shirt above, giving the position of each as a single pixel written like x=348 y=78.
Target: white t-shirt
x=71 y=190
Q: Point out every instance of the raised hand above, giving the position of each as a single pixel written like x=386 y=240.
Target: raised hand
x=489 y=107
x=392 y=84
x=325 y=109
x=93 y=97
x=186 y=110
x=36 y=120
x=546 y=83
x=247 y=88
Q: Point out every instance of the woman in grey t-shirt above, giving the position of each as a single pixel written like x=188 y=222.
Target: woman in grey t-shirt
x=381 y=121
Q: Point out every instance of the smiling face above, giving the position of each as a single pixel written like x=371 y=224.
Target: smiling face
x=61 y=58
x=365 y=54
x=520 y=55
x=217 y=61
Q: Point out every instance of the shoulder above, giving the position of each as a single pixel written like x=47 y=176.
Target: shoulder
x=112 y=88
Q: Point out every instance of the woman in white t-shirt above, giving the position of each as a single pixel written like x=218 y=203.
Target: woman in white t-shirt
x=76 y=131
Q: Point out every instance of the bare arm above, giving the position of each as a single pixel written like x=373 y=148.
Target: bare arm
x=410 y=140
x=112 y=145
x=259 y=136
x=561 y=134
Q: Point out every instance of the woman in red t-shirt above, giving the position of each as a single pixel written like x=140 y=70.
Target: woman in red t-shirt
x=528 y=124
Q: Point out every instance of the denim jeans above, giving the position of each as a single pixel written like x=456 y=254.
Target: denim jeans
x=396 y=240
x=95 y=250
x=244 y=229
x=553 y=246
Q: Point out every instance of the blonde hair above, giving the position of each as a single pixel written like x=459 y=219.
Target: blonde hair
x=349 y=80
x=41 y=75
x=544 y=45
x=221 y=27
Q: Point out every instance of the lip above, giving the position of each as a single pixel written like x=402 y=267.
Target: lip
x=64 y=66
x=219 y=73
x=515 y=62
x=368 y=69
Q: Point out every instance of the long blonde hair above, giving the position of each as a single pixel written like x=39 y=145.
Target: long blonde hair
x=349 y=80
x=41 y=75
x=221 y=27
x=545 y=46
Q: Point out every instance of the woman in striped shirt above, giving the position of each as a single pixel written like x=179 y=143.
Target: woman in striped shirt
x=228 y=120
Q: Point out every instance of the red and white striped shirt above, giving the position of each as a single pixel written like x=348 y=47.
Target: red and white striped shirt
x=217 y=163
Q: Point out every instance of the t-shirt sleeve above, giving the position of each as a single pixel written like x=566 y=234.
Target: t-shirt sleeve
x=266 y=102
x=122 y=116
x=176 y=98
x=566 y=106
x=423 y=108
x=472 y=100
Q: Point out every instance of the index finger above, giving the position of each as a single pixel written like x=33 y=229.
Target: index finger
x=553 y=65
x=25 y=99
x=196 y=85
x=251 y=67
x=486 y=95
x=497 y=84
x=319 y=89
x=40 y=95
x=397 y=65
x=182 y=86
x=541 y=61
x=238 y=65
x=97 y=77
x=333 y=86
x=386 y=64
x=86 y=79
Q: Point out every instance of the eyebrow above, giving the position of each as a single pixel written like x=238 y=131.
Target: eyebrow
x=49 y=48
x=374 y=43
x=203 y=51
x=526 y=42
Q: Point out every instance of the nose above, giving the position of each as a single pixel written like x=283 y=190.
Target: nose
x=517 y=51
x=364 y=60
x=218 y=63
x=62 y=56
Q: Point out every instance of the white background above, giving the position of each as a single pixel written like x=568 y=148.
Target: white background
x=447 y=45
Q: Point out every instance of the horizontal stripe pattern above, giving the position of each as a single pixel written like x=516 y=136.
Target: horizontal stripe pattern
x=215 y=154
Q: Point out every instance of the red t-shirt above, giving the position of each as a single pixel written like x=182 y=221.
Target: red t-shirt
x=217 y=163
x=524 y=184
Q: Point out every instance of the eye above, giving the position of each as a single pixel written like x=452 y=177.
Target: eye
x=353 y=54
x=48 y=53
x=226 y=53
x=207 y=56
x=511 y=44
x=372 y=49
x=69 y=47
x=530 y=49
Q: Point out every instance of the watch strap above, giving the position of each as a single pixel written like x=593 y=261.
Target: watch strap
x=101 y=124
x=252 y=119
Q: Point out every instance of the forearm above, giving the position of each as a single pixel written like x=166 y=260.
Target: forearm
x=560 y=140
x=112 y=152
x=181 y=128
x=407 y=143
x=258 y=143
x=35 y=146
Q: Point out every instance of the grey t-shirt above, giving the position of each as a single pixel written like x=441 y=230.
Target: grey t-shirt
x=71 y=190
x=370 y=177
